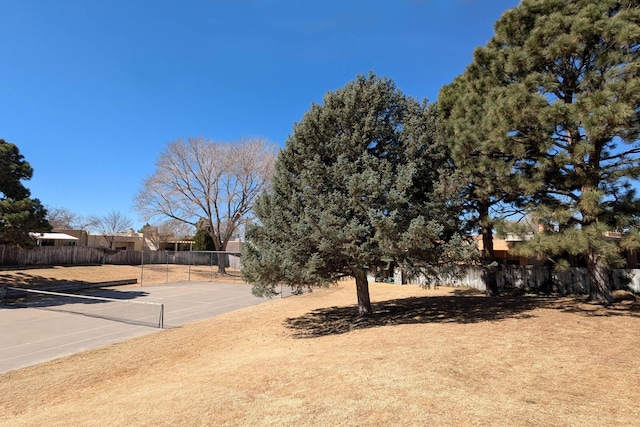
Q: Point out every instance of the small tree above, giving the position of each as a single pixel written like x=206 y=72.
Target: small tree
x=19 y=214
x=65 y=219
x=111 y=226
x=354 y=190
x=215 y=182
x=203 y=241
x=61 y=218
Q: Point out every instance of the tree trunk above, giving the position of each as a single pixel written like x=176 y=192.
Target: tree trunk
x=362 y=288
x=599 y=282
x=597 y=267
x=490 y=266
x=222 y=258
x=222 y=263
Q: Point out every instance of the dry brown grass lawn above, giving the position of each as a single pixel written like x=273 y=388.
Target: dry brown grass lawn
x=427 y=357
x=147 y=275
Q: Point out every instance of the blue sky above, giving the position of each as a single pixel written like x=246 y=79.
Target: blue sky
x=92 y=91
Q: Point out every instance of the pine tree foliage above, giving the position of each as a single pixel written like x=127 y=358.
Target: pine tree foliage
x=355 y=190
x=563 y=91
x=19 y=214
x=203 y=241
x=483 y=155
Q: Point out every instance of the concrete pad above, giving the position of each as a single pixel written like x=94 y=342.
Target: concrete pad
x=32 y=335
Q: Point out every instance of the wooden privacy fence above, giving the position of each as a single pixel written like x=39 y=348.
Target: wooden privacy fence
x=51 y=255
x=85 y=255
x=571 y=281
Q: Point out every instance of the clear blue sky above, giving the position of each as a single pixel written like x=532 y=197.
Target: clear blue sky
x=91 y=91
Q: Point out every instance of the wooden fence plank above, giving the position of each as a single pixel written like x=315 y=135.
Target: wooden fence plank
x=85 y=255
x=571 y=281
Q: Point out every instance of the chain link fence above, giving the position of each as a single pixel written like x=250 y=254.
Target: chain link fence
x=199 y=266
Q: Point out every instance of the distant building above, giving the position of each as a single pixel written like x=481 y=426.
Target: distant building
x=149 y=239
x=129 y=241
x=54 y=239
x=502 y=248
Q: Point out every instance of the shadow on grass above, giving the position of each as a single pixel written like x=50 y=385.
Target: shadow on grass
x=624 y=304
x=23 y=280
x=462 y=307
x=416 y=310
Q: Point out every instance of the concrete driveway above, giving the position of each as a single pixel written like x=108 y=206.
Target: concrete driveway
x=32 y=335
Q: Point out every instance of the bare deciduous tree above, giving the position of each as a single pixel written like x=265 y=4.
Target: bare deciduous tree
x=64 y=218
x=198 y=181
x=111 y=226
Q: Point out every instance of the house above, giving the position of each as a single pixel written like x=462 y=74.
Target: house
x=81 y=235
x=501 y=250
x=502 y=247
x=54 y=239
x=234 y=245
x=149 y=239
x=129 y=241
x=158 y=241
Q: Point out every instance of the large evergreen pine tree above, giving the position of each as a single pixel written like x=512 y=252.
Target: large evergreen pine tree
x=564 y=86
x=355 y=189
x=484 y=158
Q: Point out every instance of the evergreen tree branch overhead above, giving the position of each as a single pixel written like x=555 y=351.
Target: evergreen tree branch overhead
x=13 y=170
x=19 y=214
x=356 y=189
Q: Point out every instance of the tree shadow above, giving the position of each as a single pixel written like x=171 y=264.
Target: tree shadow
x=29 y=281
x=19 y=279
x=463 y=307
x=624 y=304
x=24 y=280
x=416 y=310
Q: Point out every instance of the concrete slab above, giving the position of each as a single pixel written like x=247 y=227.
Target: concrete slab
x=32 y=335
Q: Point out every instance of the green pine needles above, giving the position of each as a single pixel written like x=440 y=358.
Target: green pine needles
x=550 y=110
x=356 y=189
x=544 y=123
x=19 y=213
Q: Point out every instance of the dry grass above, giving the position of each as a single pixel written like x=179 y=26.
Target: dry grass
x=427 y=357
x=147 y=275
